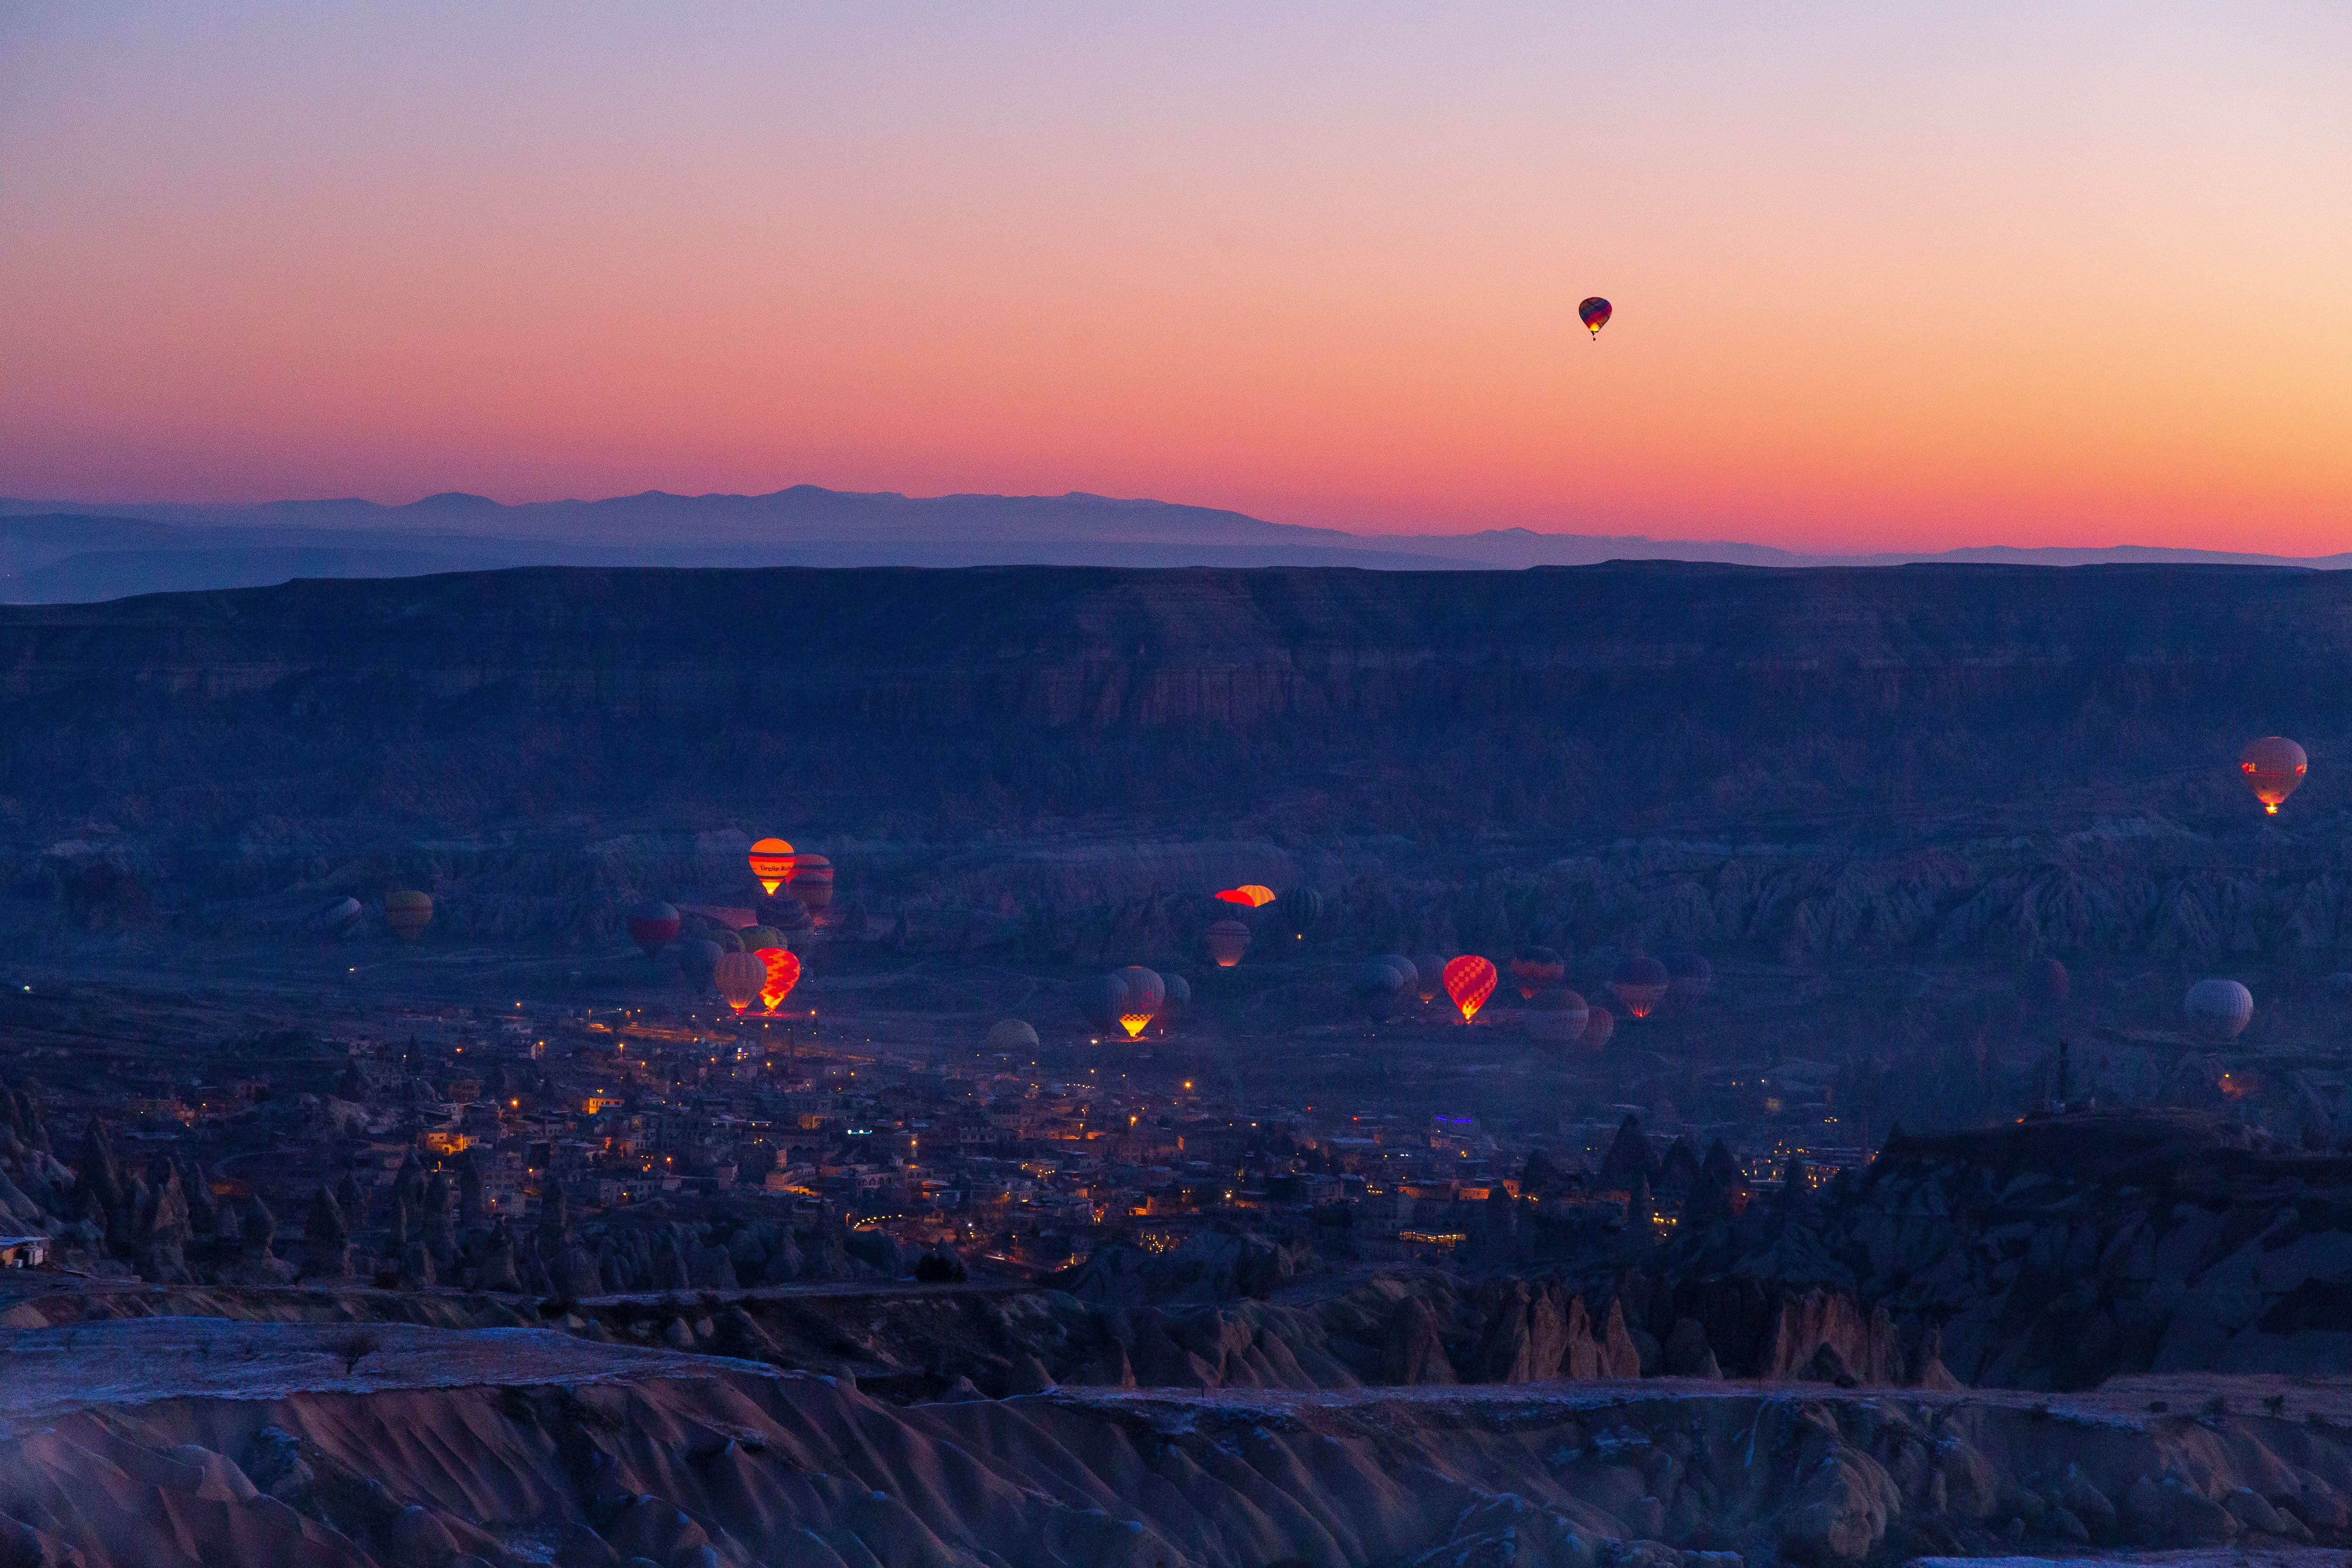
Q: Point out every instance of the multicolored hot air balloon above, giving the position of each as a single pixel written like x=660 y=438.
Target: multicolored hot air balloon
x=1227 y=940
x=812 y=880
x=1249 y=895
x=1535 y=968
x=1594 y=313
x=1600 y=1023
x=1179 y=999
x=1640 y=984
x=653 y=925
x=407 y=913
x=1145 y=994
x=738 y=977
x=1469 y=980
x=783 y=973
x=772 y=862
x=2273 y=768
x=1558 y=1015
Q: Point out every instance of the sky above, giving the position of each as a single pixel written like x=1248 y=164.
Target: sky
x=1886 y=276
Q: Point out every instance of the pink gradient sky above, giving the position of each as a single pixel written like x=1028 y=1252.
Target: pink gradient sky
x=1886 y=277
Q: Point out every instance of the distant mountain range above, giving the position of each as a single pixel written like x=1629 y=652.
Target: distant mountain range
x=71 y=553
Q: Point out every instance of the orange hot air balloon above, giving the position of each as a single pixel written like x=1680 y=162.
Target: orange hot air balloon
x=812 y=880
x=1594 y=313
x=1134 y=1023
x=1249 y=895
x=1534 y=969
x=772 y=862
x=740 y=977
x=2273 y=767
x=1228 y=939
x=407 y=913
x=1469 y=980
x=783 y=973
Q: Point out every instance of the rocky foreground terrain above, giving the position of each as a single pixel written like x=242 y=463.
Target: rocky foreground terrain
x=191 y=1440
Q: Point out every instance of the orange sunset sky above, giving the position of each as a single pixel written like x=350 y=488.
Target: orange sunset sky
x=1885 y=276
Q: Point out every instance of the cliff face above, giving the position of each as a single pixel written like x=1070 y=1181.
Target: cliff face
x=2061 y=1252
x=1093 y=647
x=176 y=1441
x=1937 y=759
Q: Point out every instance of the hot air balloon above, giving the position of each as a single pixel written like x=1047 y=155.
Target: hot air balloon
x=1534 y=968
x=1011 y=1035
x=1146 y=994
x=1599 y=1025
x=728 y=940
x=1594 y=313
x=2047 y=985
x=1102 y=999
x=1297 y=910
x=1469 y=980
x=1180 y=997
x=1429 y=975
x=2219 y=1009
x=1407 y=968
x=738 y=978
x=1228 y=939
x=653 y=925
x=812 y=880
x=772 y=862
x=1640 y=983
x=788 y=915
x=1249 y=895
x=340 y=918
x=783 y=973
x=407 y=913
x=1691 y=976
x=2273 y=767
x=1379 y=986
x=1558 y=1015
x=698 y=959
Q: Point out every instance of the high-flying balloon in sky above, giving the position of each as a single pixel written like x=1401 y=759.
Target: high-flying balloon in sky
x=1594 y=313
